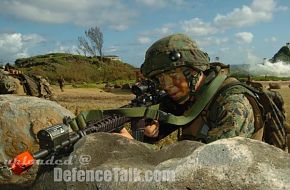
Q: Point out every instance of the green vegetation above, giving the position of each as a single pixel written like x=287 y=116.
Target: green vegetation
x=76 y=68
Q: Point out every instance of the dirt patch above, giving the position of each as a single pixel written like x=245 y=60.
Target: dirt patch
x=283 y=84
x=79 y=99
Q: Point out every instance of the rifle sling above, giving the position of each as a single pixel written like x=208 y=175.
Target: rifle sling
x=153 y=112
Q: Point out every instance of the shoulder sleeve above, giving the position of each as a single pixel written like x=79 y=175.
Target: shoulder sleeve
x=234 y=117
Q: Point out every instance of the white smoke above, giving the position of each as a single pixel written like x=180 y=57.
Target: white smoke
x=279 y=69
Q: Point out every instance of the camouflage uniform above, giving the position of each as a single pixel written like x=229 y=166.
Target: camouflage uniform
x=229 y=114
x=235 y=117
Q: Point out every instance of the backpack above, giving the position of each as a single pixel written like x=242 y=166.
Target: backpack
x=268 y=106
x=30 y=85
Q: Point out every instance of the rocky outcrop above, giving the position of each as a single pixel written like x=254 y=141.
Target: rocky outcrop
x=283 y=54
x=21 y=117
x=235 y=163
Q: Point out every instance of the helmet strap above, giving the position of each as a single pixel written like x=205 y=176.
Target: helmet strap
x=192 y=79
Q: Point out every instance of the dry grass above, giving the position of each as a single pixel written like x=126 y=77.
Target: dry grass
x=80 y=99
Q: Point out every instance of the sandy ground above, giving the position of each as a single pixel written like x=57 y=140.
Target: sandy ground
x=283 y=84
x=79 y=99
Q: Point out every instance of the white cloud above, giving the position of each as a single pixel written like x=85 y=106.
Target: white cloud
x=244 y=37
x=33 y=38
x=61 y=48
x=111 y=13
x=258 y=11
x=11 y=43
x=155 y=34
x=197 y=27
x=271 y=39
x=159 y=32
x=15 y=45
x=160 y=3
x=211 y=41
x=11 y=47
x=267 y=68
x=111 y=49
x=251 y=58
x=282 y=8
x=152 y=3
x=144 y=40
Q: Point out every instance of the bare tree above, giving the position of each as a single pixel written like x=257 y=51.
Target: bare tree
x=94 y=43
x=96 y=37
x=84 y=46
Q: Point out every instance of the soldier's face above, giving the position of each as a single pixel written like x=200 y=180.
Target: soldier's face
x=174 y=83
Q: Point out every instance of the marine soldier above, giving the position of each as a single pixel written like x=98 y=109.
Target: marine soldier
x=184 y=72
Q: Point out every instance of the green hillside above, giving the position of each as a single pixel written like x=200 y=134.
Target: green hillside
x=76 y=68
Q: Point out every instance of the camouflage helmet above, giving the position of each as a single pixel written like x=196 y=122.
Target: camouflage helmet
x=171 y=52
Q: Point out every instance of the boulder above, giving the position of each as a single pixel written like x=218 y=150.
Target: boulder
x=274 y=86
x=21 y=117
x=235 y=163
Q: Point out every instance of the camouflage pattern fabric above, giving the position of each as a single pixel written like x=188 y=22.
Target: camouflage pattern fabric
x=234 y=117
x=173 y=51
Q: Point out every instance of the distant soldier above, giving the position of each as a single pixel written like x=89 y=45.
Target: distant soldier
x=13 y=81
x=61 y=83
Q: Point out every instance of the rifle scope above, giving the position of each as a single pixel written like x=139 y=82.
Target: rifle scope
x=145 y=86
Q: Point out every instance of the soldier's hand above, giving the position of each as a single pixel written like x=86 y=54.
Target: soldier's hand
x=152 y=130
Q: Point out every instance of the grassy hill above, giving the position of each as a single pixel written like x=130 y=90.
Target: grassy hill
x=76 y=68
x=79 y=69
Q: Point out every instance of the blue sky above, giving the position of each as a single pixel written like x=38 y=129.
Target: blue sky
x=236 y=31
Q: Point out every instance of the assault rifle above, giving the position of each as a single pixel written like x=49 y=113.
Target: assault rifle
x=57 y=139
